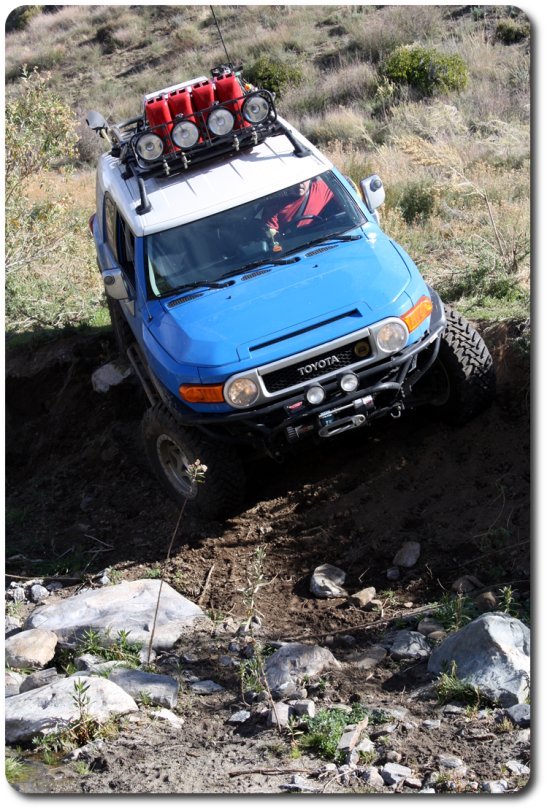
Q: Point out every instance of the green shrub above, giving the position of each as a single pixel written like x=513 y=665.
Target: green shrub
x=417 y=202
x=510 y=31
x=273 y=75
x=426 y=70
x=19 y=18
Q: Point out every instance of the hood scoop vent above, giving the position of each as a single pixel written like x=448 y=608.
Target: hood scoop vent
x=320 y=250
x=255 y=274
x=353 y=314
x=185 y=298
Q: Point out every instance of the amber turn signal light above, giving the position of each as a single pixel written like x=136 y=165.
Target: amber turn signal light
x=419 y=312
x=201 y=393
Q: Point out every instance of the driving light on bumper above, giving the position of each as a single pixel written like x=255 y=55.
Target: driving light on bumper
x=220 y=121
x=391 y=337
x=185 y=134
x=149 y=147
x=255 y=109
x=241 y=393
x=315 y=395
x=349 y=382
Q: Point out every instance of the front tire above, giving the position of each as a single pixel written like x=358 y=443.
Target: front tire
x=172 y=449
x=465 y=371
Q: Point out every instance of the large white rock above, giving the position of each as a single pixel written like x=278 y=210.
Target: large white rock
x=492 y=653
x=42 y=710
x=31 y=649
x=288 y=665
x=129 y=606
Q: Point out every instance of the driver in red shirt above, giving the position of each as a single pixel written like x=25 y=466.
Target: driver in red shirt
x=311 y=197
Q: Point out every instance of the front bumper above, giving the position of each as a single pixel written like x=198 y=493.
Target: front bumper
x=384 y=387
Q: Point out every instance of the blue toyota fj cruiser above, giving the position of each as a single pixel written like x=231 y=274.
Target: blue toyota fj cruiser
x=254 y=293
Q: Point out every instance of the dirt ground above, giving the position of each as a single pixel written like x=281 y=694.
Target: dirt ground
x=80 y=498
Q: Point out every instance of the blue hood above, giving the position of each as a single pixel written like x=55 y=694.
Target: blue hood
x=360 y=279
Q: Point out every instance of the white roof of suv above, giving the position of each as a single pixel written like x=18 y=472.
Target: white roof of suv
x=213 y=186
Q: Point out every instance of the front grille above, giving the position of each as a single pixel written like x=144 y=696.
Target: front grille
x=317 y=366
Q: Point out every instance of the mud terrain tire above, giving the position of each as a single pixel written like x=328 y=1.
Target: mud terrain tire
x=170 y=449
x=468 y=370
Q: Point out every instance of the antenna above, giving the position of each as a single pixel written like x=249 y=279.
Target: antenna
x=220 y=34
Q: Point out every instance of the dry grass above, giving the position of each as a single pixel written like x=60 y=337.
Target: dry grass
x=469 y=151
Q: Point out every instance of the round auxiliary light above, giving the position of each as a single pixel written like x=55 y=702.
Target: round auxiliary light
x=185 y=134
x=315 y=395
x=255 y=109
x=349 y=382
x=220 y=121
x=242 y=393
x=391 y=337
x=149 y=146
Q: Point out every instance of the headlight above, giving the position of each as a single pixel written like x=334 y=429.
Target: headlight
x=391 y=337
x=149 y=146
x=185 y=134
x=242 y=393
x=255 y=109
x=220 y=121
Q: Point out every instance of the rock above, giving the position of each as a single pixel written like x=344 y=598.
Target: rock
x=38 y=593
x=239 y=717
x=129 y=607
x=109 y=375
x=454 y=765
x=466 y=584
x=12 y=625
x=517 y=768
x=363 y=598
x=492 y=653
x=206 y=687
x=39 y=679
x=437 y=636
x=393 y=756
x=41 y=710
x=431 y=724
x=392 y=773
x=370 y=657
x=13 y=682
x=54 y=586
x=371 y=776
x=326 y=582
x=17 y=594
x=279 y=715
x=168 y=716
x=303 y=708
x=409 y=644
x=30 y=649
x=285 y=667
x=298 y=784
x=351 y=736
x=365 y=746
x=486 y=601
x=393 y=573
x=519 y=714
x=408 y=555
x=413 y=782
x=429 y=625
x=494 y=787
x=160 y=690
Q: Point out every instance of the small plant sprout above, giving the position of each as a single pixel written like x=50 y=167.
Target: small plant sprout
x=196 y=473
x=255 y=582
x=451 y=688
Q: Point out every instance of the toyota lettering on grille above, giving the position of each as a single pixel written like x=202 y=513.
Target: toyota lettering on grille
x=318 y=365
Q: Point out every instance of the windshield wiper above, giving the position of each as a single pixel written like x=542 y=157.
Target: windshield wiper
x=260 y=263
x=194 y=285
x=334 y=237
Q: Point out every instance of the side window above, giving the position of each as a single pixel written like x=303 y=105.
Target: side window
x=126 y=250
x=120 y=239
x=111 y=216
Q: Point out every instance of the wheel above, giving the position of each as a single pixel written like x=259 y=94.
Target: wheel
x=463 y=377
x=123 y=336
x=172 y=449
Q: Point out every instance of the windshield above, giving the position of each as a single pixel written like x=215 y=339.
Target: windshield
x=252 y=234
